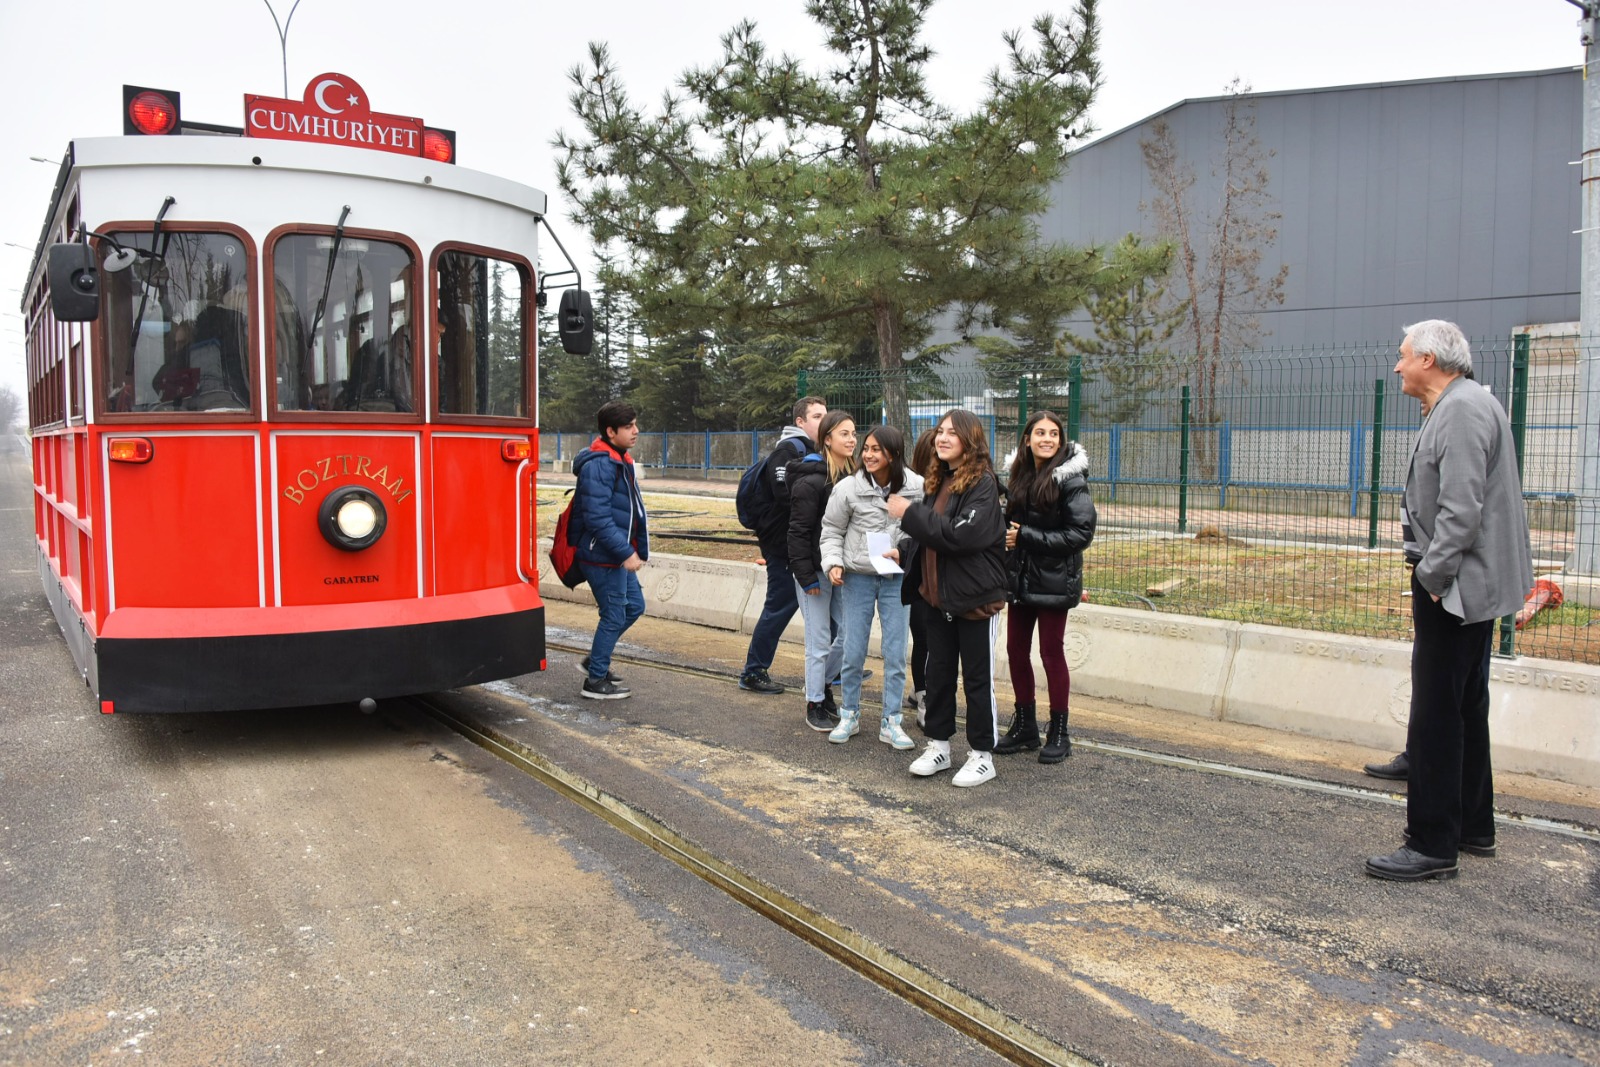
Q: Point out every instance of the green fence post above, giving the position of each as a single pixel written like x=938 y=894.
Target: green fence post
x=1022 y=407
x=801 y=384
x=1074 y=395
x=1183 y=466
x=1519 y=396
x=1377 y=462
x=1519 y=433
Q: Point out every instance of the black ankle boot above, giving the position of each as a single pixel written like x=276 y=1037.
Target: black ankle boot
x=827 y=702
x=1057 y=745
x=1023 y=735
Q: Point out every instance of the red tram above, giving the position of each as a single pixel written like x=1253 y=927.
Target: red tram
x=283 y=407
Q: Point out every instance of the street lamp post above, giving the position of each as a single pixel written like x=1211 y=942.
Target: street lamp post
x=1585 y=558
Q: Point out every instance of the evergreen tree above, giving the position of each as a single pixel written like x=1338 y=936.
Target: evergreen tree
x=816 y=208
x=1133 y=321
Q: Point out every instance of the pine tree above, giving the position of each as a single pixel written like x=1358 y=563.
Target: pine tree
x=810 y=209
x=1133 y=321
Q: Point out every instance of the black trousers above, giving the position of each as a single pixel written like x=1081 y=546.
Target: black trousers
x=969 y=642
x=1451 y=792
x=919 y=644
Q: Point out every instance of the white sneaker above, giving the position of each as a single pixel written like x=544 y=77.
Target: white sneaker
x=978 y=769
x=913 y=699
x=849 y=726
x=891 y=733
x=934 y=758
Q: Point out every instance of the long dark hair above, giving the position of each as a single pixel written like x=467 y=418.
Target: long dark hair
x=975 y=461
x=1030 y=483
x=893 y=442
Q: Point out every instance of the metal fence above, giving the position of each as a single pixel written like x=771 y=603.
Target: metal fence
x=1261 y=487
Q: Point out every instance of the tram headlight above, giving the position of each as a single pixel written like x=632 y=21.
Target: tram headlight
x=352 y=518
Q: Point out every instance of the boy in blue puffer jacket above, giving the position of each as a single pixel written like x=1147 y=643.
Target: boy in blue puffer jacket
x=610 y=532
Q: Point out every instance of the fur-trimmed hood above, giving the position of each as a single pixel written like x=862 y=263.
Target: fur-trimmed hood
x=1077 y=462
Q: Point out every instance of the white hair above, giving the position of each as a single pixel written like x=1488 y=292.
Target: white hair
x=1445 y=342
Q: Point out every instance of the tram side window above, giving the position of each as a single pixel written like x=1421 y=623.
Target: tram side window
x=483 y=364
x=343 y=324
x=177 y=326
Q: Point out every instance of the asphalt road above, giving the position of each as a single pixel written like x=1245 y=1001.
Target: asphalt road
x=318 y=886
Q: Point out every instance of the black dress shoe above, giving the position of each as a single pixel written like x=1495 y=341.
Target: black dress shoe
x=1406 y=865
x=1396 y=770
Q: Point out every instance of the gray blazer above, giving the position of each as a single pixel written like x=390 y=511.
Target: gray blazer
x=1465 y=503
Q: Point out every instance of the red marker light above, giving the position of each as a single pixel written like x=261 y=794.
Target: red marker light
x=515 y=451
x=152 y=114
x=130 y=450
x=107 y=707
x=438 y=145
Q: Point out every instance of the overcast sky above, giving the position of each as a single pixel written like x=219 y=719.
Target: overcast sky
x=495 y=70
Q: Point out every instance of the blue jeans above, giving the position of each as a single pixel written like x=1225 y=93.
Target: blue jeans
x=824 y=619
x=621 y=602
x=775 y=613
x=863 y=592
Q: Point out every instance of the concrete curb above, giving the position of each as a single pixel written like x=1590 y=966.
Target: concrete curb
x=1543 y=717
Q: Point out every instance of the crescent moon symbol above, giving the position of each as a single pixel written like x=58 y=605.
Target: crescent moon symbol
x=322 y=87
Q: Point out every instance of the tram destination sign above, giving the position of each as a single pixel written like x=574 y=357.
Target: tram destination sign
x=334 y=110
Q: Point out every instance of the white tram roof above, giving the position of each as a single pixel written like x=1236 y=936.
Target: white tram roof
x=259 y=184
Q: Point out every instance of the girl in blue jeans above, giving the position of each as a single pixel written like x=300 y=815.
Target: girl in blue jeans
x=811 y=480
x=857 y=509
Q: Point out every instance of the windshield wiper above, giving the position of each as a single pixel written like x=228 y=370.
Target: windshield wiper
x=144 y=288
x=327 y=281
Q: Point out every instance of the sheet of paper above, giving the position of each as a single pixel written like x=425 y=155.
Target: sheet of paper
x=877 y=544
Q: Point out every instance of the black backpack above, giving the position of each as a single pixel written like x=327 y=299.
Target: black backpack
x=754 y=498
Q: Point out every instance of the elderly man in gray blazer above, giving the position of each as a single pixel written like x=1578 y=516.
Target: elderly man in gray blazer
x=1466 y=535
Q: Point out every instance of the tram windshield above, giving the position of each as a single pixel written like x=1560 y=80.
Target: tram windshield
x=343 y=323
x=483 y=369
x=177 y=334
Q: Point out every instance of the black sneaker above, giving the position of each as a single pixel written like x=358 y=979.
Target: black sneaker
x=610 y=675
x=818 y=717
x=605 y=689
x=759 y=681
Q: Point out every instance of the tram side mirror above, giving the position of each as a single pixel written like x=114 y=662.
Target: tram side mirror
x=74 y=282
x=575 y=319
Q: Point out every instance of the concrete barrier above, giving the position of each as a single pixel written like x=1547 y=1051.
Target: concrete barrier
x=1165 y=661
x=1545 y=715
x=706 y=592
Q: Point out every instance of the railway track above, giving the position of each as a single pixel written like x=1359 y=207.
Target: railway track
x=967 y=1015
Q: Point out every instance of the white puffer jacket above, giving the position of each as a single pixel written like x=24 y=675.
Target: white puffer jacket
x=855 y=509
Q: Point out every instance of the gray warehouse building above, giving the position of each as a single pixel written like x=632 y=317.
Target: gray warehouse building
x=1439 y=198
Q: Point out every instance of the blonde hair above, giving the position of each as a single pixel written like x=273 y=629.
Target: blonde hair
x=837 y=468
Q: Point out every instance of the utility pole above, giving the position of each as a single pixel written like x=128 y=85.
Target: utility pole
x=1586 y=541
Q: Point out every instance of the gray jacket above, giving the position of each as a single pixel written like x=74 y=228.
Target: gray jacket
x=1465 y=504
x=855 y=509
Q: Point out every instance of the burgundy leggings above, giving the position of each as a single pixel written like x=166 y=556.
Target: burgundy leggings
x=1052 y=649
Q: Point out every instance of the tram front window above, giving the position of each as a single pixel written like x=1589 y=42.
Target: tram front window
x=483 y=364
x=177 y=325
x=343 y=324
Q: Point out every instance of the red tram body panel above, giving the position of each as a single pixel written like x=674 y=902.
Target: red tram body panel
x=283 y=460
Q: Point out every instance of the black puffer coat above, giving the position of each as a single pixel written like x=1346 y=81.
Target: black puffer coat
x=809 y=489
x=969 y=538
x=1045 y=570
